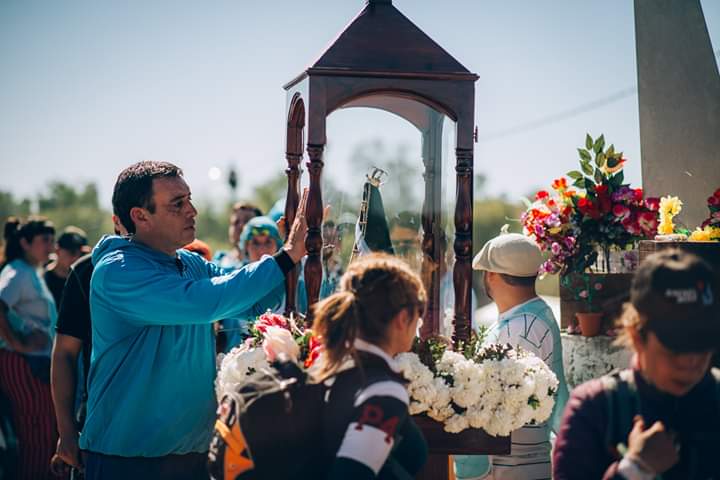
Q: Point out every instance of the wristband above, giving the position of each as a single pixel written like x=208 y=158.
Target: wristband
x=632 y=468
x=284 y=261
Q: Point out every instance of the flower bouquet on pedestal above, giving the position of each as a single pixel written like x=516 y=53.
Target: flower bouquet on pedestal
x=601 y=213
x=496 y=388
x=271 y=335
x=586 y=221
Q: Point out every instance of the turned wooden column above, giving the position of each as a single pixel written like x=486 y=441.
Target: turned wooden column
x=431 y=223
x=291 y=203
x=313 y=240
x=462 y=273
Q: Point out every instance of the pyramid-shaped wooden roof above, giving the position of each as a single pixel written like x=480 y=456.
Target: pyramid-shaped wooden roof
x=381 y=41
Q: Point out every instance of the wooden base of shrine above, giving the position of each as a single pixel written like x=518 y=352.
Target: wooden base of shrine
x=441 y=444
x=709 y=251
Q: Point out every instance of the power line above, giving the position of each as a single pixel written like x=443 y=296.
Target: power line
x=563 y=115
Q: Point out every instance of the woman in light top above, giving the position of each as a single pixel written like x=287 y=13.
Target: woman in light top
x=27 y=320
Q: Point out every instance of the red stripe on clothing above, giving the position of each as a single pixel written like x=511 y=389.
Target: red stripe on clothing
x=32 y=414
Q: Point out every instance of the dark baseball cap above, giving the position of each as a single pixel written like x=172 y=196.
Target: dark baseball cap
x=73 y=239
x=677 y=291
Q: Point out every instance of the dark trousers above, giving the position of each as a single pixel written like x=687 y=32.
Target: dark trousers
x=190 y=466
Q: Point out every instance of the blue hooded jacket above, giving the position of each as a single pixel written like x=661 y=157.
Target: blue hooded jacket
x=152 y=367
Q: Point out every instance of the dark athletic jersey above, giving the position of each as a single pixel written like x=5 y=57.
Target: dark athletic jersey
x=368 y=432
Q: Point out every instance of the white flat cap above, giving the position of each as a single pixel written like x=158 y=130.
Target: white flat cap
x=511 y=254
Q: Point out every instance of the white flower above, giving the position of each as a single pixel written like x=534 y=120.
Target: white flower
x=235 y=366
x=279 y=340
x=498 y=396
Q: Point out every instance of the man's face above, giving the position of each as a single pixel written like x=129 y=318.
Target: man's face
x=671 y=372
x=238 y=219
x=173 y=223
x=406 y=243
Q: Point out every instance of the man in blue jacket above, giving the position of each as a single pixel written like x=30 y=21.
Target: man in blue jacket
x=151 y=402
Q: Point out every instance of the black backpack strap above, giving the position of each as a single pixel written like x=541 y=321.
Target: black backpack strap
x=622 y=404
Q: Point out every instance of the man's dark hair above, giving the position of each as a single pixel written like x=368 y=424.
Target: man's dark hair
x=134 y=188
x=519 y=281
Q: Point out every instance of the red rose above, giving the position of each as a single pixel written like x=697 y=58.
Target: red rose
x=541 y=194
x=270 y=320
x=632 y=225
x=717 y=193
x=638 y=194
x=601 y=189
x=713 y=201
x=621 y=211
x=648 y=222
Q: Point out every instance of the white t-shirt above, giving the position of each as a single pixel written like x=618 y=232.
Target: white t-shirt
x=530 y=449
x=30 y=303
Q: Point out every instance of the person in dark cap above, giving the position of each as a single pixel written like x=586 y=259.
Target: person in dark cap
x=71 y=245
x=662 y=416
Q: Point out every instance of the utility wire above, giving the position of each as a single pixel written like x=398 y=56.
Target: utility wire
x=562 y=115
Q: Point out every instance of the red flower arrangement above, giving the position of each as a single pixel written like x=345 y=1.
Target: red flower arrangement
x=713 y=203
x=309 y=345
x=573 y=225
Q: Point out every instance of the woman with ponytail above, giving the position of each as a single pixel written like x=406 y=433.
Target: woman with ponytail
x=27 y=317
x=368 y=432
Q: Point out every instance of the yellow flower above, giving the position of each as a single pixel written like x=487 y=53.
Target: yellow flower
x=669 y=207
x=707 y=234
x=699 y=236
x=610 y=170
x=714 y=233
x=666 y=228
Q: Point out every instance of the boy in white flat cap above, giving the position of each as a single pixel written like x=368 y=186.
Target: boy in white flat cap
x=510 y=264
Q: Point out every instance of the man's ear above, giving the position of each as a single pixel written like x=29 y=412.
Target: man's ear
x=402 y=319
x=139 y=216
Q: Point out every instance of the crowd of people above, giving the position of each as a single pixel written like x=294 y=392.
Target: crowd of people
x=108 y=358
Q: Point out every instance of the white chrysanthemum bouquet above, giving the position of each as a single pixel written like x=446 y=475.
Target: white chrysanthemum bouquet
x=496 y=388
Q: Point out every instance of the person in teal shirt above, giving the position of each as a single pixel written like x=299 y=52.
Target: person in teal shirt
x=510 y=264
x=151 y=403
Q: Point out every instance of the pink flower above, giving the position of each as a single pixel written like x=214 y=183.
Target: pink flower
x=583 y=294
x=270 y=320
x=279 y=340
x=555 y=248
x=648 y=223
x=598 y=286
x=631 y=225
x=621 y=211
x=652 y=203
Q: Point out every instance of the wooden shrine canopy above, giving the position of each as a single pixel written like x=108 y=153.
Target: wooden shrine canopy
x=382 y=60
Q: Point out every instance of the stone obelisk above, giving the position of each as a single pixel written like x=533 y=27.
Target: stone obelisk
x=679 y=97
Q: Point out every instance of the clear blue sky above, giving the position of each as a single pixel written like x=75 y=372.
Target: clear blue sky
x=88 y=87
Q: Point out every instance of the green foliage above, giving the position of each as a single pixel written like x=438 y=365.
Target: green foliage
x=64 y=205
x=9 y=206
